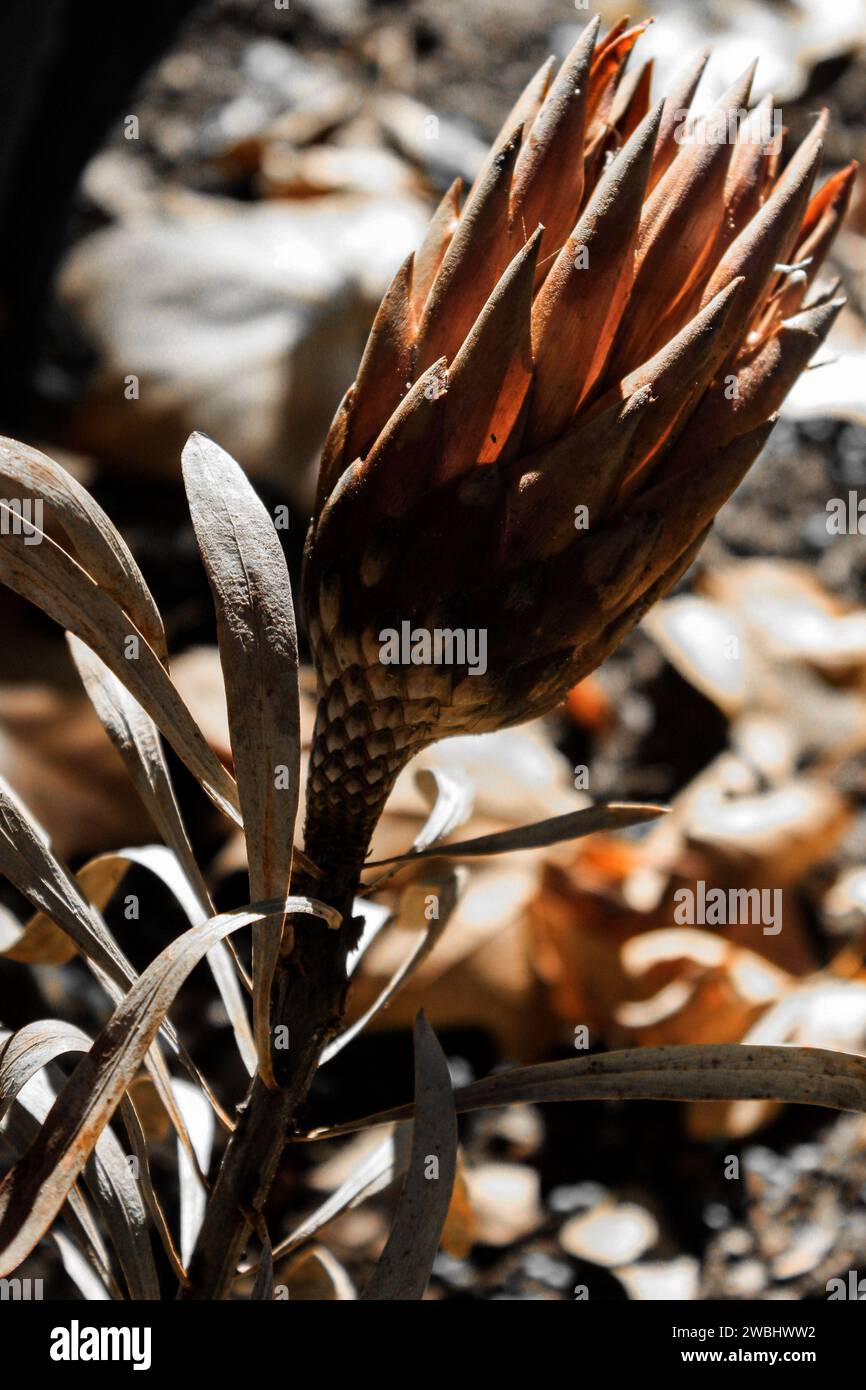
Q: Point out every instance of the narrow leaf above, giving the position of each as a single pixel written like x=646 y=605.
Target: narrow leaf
x=51 y=579
x=79 y=1269
x=24 y=1055
x=258 y=647
x=34 y=1190
x=136 y=738
x=553 y=831
x=387 y=1162
x=26 y=861
x=193 y=1200
x=404 y=1267
x=21 y=1126
x=263 y=1288
x=97 y=543
x=45 y=881
x=446 y=890
x=727 y=1071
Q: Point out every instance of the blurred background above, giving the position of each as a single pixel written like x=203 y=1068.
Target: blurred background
x=201 y=205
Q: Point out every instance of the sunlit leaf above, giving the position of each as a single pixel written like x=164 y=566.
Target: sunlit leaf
x=23 y=1059
x=98 y=545
x=136 y=738
x=33 y=1191
x=259 y=654
x=51 y=579
x=553 y=831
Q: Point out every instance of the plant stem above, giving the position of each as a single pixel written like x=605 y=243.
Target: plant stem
x=310 y=994
x=244 y=1181
x=310 y=1001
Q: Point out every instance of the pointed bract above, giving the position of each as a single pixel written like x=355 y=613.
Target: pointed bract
x=490 y=375
x=579 y=307
x=601 y=338
x=477 y=254
x=674 y=117
x=548 y=179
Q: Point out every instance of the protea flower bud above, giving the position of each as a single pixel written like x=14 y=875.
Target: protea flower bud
x=559 y=392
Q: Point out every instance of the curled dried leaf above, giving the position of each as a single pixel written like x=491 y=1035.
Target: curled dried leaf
x=34 y=1190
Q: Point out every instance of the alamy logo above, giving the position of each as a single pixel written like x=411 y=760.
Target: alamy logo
x=21 y=1290
x=22 y=517
x=854 y=1288
x=847 y=516
x=443 y=646
x=730 y=127
x=716 y=907
x=77 y=1343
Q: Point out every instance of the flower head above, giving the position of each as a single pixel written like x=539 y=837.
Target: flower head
x=560 y=390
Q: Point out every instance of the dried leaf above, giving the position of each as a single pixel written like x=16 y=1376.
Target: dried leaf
x=138 y=1145
x=20 y=1128
x=51 y=579
x=258 y=647
x=452 y=796
x=34 y=1190
x=162 y=862
x=193 y=1199
x=136 y=738
x=85 y=1279
x=405 y=1264
x=446 y=890
x=23 y=1056
x=317 y=1277
x=99 y=546
x=263 y=1288
x=29 y=864
x=38 y=941
x=727 y=1071
x=553 y=831
x=386 y=1163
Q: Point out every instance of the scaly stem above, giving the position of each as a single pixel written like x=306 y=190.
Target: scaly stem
x=310 y=995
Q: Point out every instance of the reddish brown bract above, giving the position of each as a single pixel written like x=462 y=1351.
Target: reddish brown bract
x=558 y=394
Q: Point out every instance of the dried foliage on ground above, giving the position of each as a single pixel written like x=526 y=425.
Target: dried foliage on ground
x=564 y=341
